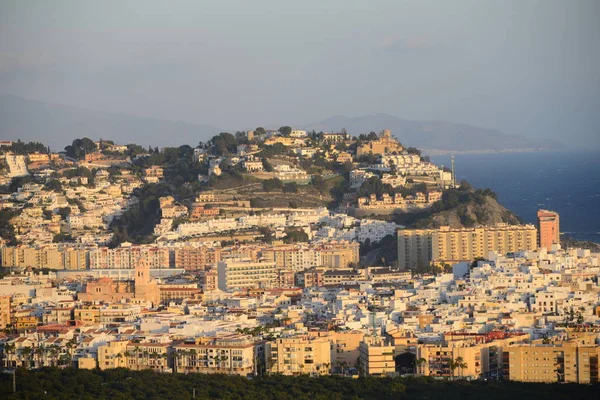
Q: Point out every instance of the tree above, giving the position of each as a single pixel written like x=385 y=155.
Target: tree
x=64 y=212
x=373 y=185
x=260 y=131
x=420 y=363
x=272 y=184
x=224 y=143
x=267 y=165
x=413 y=150
x=291 y=187
x=80 y=147
x=319 y=183
x=53 y=185
x=285 y=130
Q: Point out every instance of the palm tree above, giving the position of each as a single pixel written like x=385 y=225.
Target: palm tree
x=54 y=349
x=459 y=363
x=164 y=357
x=26 y=353
x=38 y=352
x=453 y=365
x=72 y=343
x=420 y=363
x=7 y=350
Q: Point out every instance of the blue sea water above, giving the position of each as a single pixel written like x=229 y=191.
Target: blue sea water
x=568 y=183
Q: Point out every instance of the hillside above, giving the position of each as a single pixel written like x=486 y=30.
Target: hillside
x=434 y=135
x=461 y=208
x=57 y=125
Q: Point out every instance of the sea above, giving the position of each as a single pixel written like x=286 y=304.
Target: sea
x=565 y=182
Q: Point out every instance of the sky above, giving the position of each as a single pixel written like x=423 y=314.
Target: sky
x=523 y=67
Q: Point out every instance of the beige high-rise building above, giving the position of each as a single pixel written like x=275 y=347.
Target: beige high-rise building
x=241 y=274
x=561 y=362
x=232 y=355
x=4 y=311
x=421 y=247
x=299 y=355
x=376 y=357
x=549 y=228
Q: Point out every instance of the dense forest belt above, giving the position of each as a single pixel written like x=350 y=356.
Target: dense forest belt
x=117 y=384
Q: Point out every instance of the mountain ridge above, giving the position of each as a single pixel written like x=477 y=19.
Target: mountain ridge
x=435 y=135
x=57 y=125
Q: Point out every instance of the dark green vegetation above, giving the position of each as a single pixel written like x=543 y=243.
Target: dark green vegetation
x=461 y=207
x=137 y=223
x=121 y=384
x=7 y=230
x=80 y=147
x=20 y=147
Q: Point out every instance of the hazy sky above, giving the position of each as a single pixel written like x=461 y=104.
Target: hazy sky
x=524 y=67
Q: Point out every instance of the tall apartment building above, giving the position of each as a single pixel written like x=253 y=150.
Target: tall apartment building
x=421 y=247
x=50 y=256
x=232 y=355
x=560 y=362
x=548 y=228
x=301 y=257
x=241 y=274
x=194 y=258
x=299 y=355
x=4 y=311
x=127 y=257
x=376 y=357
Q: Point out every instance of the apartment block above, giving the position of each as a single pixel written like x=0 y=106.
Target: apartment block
x=241 y=274
x=232 y=355
x=421 y=247
x=558 y=362
x=376 y=357
x=299 y=355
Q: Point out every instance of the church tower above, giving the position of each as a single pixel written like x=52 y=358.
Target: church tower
x=145 y=288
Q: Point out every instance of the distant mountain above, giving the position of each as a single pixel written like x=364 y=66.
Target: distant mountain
x=57 y=125
x=434 y=135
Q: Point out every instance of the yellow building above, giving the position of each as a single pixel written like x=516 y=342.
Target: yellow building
x=376 y=357
x=384 y=145
x=88 y=315
x=481 y=355
x=113 y=355
x=299 y=355
x=240 y=274
x=154 y=356
x=558 y=362
x=4 y=311
x=421 y=247
x=233 y=355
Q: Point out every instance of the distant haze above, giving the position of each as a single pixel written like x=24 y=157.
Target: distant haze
x=529 y=68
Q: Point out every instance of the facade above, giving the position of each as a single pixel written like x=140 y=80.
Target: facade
x=548 y=228
x=419 y=248
x=562 y=362
x=4 y=311
x=195 y=258
x=376 y=357
x=385 y=144
x=299 y=355
x=232 y=355
x=241 y=274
